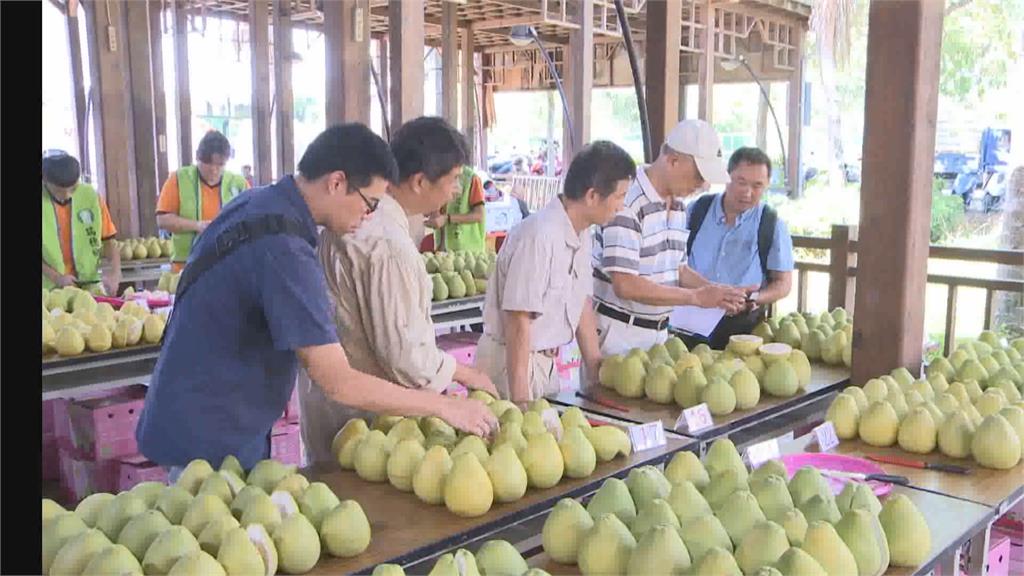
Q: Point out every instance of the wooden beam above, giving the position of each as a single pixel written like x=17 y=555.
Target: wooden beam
x=578 y=70
x=143 y=124
x=78 y=91
x=904 y=38
x=795 y=118
x=259 y=50
x=105 y=27
x=284 y=125
x=469 y=91
x=347 y=39
x=706 y=74
x=450 y=64
x=662 y=68
x=183 y=96
x=156 y=36
x=405 y=31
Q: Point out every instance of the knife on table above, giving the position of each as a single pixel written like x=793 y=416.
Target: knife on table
x=602 y=402
x=909 y=463
x=887 y=478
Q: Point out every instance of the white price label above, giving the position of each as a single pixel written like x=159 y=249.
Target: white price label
x=826 y=435
x=552 y=422
x=695 y=418
x=647 y=436
x=762 y=452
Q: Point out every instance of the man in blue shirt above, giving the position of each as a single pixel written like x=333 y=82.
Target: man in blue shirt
x=737 y=240
x=252 y=303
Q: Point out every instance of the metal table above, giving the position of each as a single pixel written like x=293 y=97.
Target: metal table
x=90 y=373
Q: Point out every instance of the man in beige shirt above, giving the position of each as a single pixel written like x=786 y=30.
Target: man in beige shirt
x=539 y=295
x=380 y=287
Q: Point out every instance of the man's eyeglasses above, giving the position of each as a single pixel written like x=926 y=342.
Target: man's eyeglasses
x=371 y=203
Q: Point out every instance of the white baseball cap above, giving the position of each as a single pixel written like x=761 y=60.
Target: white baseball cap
x=699 y=139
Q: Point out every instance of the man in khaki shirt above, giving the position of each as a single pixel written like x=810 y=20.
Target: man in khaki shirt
x=539 y=295
x=380 y=287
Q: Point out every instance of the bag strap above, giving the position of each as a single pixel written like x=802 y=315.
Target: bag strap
x=765 y=237
x=699 y=209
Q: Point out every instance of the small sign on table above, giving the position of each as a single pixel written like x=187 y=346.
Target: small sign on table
x=647 y=436
x=695 y=419
x=762 y=452
x=826 y=436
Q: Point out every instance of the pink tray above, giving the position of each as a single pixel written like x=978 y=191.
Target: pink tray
x=840 y=463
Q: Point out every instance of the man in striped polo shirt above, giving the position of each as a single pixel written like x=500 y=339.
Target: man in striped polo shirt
x=639 y=258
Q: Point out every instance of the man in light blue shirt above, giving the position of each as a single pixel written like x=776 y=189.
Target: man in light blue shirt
x=737 y=240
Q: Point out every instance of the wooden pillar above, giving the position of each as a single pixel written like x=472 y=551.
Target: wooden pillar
x=469 y=91
x=383 y=74
x=143 y=123
x=904 y=38
x=706 y=74
x=156 y=36
x=183 y=97
x=259 y=51
x=661 y=65
x=795 y=118
x=405 y=30
x=78 y=89
x=347 y=40
x=284 y=126
x=841 y=287
x=450 y=63
x=578 y=81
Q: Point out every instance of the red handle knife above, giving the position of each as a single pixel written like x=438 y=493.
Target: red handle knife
x=602 y=401
x=898 y=461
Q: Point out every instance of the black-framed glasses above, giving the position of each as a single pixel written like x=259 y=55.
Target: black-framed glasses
x=371 y=203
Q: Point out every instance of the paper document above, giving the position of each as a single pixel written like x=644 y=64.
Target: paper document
x=695 y=320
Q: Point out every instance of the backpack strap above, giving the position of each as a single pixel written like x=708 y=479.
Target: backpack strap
x=230 y=239
x=698 y=210
x=765 y=237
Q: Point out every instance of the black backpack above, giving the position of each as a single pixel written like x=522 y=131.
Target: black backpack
x=765 y=231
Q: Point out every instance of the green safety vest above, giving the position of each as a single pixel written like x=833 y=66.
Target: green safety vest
x=190 y=205
x=471 y=237
x=86 y=231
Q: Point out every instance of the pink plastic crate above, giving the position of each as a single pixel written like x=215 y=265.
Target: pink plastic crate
x=461 y=345
x=137 y=469
x=286 y=444
x=104 y=428
x=291 y=411
x=50 y=458
x=999 y=556
x=80 y=478
x=59 y=416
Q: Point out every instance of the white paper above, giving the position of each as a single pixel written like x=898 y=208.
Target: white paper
x=695 y=320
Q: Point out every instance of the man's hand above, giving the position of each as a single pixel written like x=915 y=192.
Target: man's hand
x=64 y=280
x=471 y=416
x=729 y=298
x=477 y=380
x=201 y=226
x=111 y=281
x=435 y=220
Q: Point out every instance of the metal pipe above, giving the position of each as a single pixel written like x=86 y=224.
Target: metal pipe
x=641 y=100
x=778 y=128
x=558 y=84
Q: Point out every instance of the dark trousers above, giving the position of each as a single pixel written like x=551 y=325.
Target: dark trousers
x=727 y=326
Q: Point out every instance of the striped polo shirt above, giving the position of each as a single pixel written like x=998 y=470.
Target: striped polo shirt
x=648 y=238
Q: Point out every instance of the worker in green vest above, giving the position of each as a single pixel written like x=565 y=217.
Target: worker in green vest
x=460 y=224
x=194 y=195
x=77 y=229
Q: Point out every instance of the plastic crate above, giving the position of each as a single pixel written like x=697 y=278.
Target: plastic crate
x=461 y=345
x=50 y=458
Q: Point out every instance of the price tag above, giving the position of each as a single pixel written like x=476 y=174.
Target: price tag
x=826 y=435
x=647 y=436
x=695 y=418
x=552 y=422
x=762 y=452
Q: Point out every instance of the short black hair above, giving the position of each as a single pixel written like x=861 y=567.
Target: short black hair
x=429 y=145
x=600 y=165
x=61 y=169
x=750 y=155
x=213 y=142
x=351 y=148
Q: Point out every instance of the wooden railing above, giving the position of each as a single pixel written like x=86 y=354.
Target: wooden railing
x=842 y=271
x=536 y=191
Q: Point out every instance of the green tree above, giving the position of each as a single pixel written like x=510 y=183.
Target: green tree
x=977 y=46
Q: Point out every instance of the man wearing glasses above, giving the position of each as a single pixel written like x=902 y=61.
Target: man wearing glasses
x=252 y=303
x=380 y=288
x=77 y=229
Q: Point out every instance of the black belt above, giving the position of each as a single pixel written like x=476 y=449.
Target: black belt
x=627 y=318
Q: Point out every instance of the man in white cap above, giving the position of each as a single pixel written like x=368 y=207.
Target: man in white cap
x=640 y=270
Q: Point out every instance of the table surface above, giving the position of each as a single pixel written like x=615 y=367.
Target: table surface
x=997 y=489
x=88 y=373
x=824 y=379
x=952 y=522
x=405 y=529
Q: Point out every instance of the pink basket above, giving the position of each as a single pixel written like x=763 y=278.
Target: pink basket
x=80 y=478
x=286 y=444
x=838 y=462
x=461 y=345
x=137 y=469
x=102 y=429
